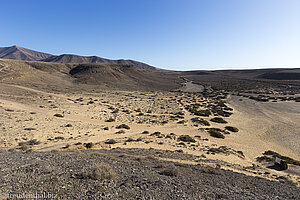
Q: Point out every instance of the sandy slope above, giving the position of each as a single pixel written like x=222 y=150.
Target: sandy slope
x=266 y=126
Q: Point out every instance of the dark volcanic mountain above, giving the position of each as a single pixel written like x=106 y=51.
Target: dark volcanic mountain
x=20 y=53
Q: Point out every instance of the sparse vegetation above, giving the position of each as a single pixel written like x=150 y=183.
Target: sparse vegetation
x=169 y=171
x=30 y=142
x=145 y=132
x=120 y=132
x=110 y=120
x=29 y=129
x=216 y=133
x=232 y=129
x=24 y=146
x=186 y=138
x=218 y=120
x=130 y=140
x=58 y=115
x=89 y=145
x=123 y=126
x=200 y=121
x=156 y=133
x=102 y=172
x=274 y=154
x=59 y=138
x=111 y=141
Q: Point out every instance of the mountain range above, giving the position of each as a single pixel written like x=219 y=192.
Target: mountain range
x=32 y=67
x=21 y=53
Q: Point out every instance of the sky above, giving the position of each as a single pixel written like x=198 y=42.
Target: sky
x=170 y=34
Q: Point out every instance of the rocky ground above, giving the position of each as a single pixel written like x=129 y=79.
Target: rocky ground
x=130 y=174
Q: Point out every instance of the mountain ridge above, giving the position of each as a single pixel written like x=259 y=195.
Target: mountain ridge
x=21 y=53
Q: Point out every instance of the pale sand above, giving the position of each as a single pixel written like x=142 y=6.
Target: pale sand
x=263 y=126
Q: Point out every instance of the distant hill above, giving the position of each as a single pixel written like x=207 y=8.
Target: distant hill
x=122 y=76
x=69 y=58
x=20 y=53
x=83 y=75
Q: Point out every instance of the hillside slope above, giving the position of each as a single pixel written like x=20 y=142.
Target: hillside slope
x=20 y=53
x=79 y=76
x=122 y=76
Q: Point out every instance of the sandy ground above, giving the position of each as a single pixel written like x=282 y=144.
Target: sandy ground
x=266 y=126
x=27 y=114
x=191 y=87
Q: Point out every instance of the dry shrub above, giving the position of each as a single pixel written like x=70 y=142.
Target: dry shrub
x=102 y=172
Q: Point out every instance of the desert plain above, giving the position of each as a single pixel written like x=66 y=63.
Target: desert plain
x=154 y=134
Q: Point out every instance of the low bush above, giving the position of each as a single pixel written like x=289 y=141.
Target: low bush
x=29 y=129
x=59 y=138
x=30 y=142
x=58 y=115
x=218 y=120
x=145 y=132
x=170 y=171
x=120 y=132
x=110 y=120
x=216 y=133
x=123 y=126
x=200 y=121
x=89 y=145
x=232 y=129
x=203 y=113
x=102 y=172
x=111 y=141
x=130 y=140
x=186 y=138
x=287 y=159
x=157 y=133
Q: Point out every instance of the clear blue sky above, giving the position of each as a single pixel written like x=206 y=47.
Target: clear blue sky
x=171 y=34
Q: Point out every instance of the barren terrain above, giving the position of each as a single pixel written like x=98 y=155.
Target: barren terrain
x=162 y=137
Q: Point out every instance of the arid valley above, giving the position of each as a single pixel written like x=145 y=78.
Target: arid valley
x=155 y=134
